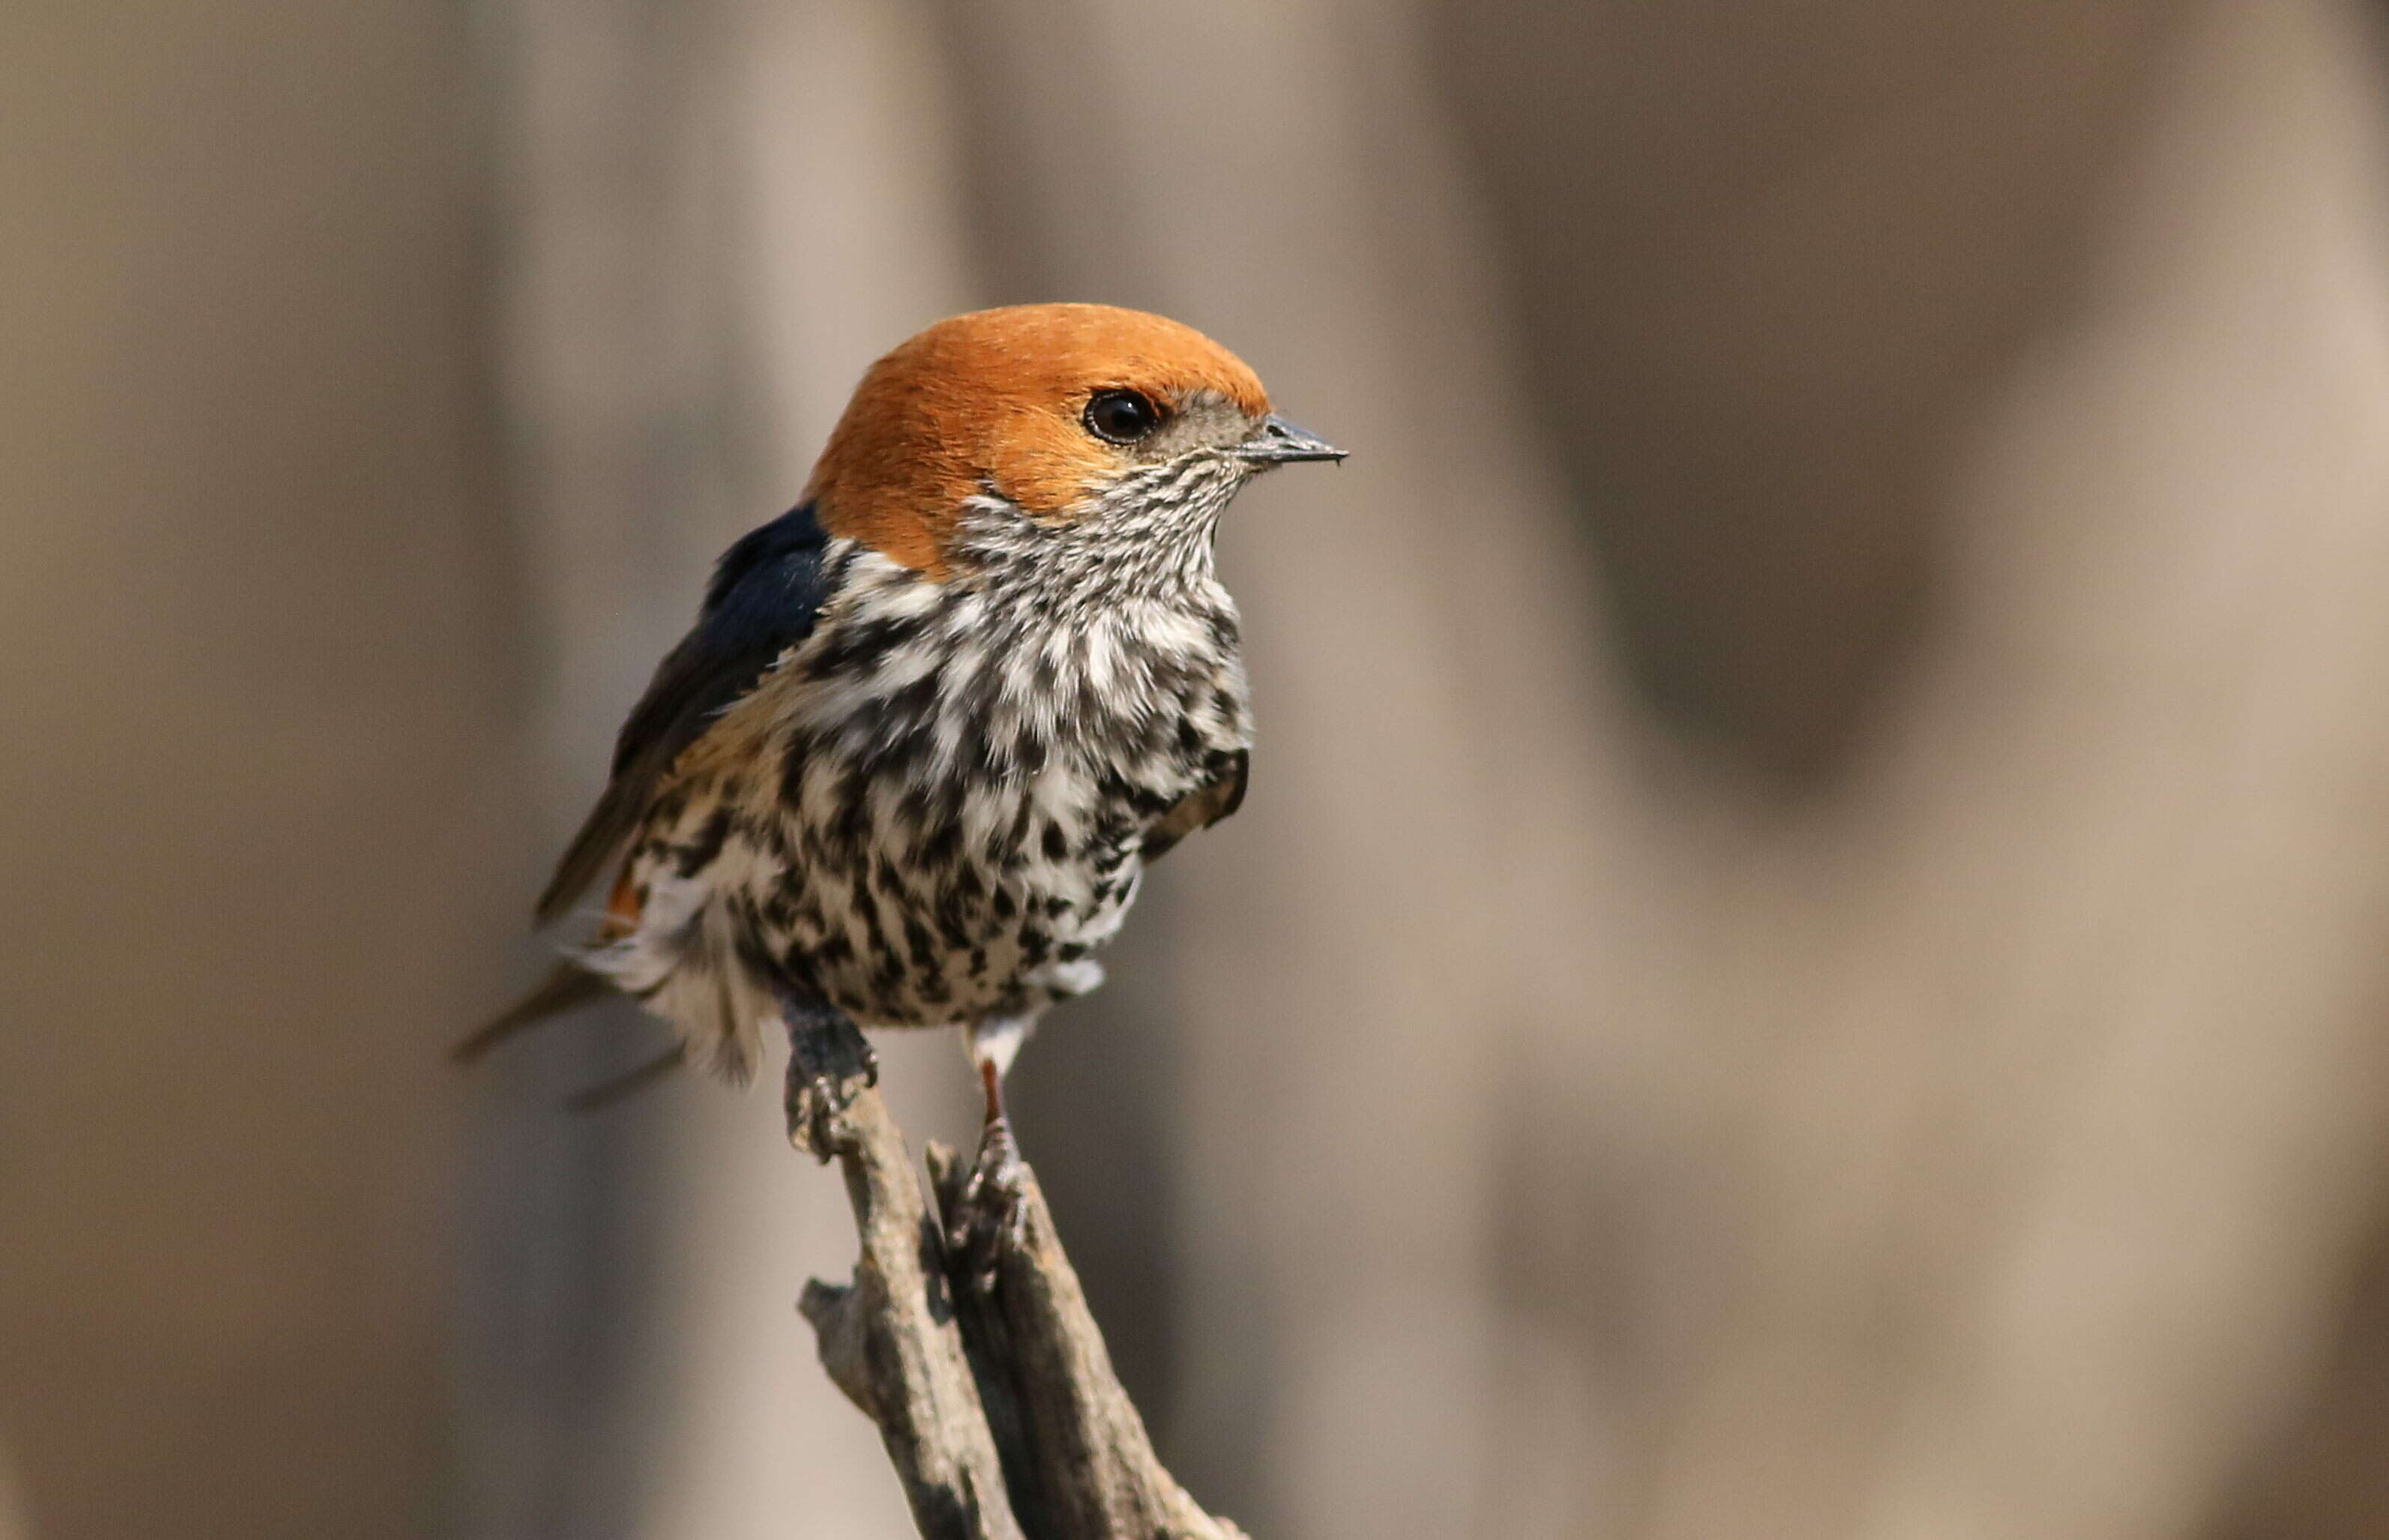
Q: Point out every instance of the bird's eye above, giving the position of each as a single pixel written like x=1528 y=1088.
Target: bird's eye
x=1121 y=416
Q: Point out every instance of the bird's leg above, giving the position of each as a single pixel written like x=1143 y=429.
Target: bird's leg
x=991 y=1214
x=828 y=1062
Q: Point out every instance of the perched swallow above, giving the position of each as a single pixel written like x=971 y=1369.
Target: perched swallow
x=909 y=766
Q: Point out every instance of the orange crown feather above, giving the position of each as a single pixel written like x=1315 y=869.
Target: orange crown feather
x=994 y=399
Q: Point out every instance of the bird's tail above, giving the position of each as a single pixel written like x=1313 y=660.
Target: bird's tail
x=567 y=986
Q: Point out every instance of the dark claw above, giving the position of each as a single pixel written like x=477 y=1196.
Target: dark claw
x=992 y=1217
x=829 y=1062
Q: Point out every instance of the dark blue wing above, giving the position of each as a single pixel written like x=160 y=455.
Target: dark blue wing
x=765 y=594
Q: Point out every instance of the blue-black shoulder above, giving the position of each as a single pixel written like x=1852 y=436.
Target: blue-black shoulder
x=766 y=592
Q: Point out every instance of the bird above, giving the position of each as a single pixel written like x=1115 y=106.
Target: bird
x=931 y=725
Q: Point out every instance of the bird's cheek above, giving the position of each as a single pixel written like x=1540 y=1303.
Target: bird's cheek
x=1057 y=476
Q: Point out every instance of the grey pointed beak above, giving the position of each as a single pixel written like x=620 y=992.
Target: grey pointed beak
x=1279 y=441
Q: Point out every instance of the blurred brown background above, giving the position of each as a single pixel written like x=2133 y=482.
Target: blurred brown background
x=1807 y=957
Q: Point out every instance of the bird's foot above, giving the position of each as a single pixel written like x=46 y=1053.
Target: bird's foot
x=992 y=1216
x=829 y=1062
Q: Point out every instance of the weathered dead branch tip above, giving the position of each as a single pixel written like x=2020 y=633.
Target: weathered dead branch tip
x=841 y=1330
x=979 y=1361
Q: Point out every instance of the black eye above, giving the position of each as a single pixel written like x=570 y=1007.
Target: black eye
x=1121 y=416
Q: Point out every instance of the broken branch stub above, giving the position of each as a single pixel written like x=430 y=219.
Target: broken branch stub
x=980 y=1362
x=889 y=1339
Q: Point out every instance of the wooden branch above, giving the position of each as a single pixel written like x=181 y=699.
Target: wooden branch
x=889 y=1339
x=1081 y=1464
x=966 y=1338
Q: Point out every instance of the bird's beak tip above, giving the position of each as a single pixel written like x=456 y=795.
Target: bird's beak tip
x=1279 y=442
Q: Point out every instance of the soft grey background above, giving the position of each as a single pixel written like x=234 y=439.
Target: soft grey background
x=1805 y=958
